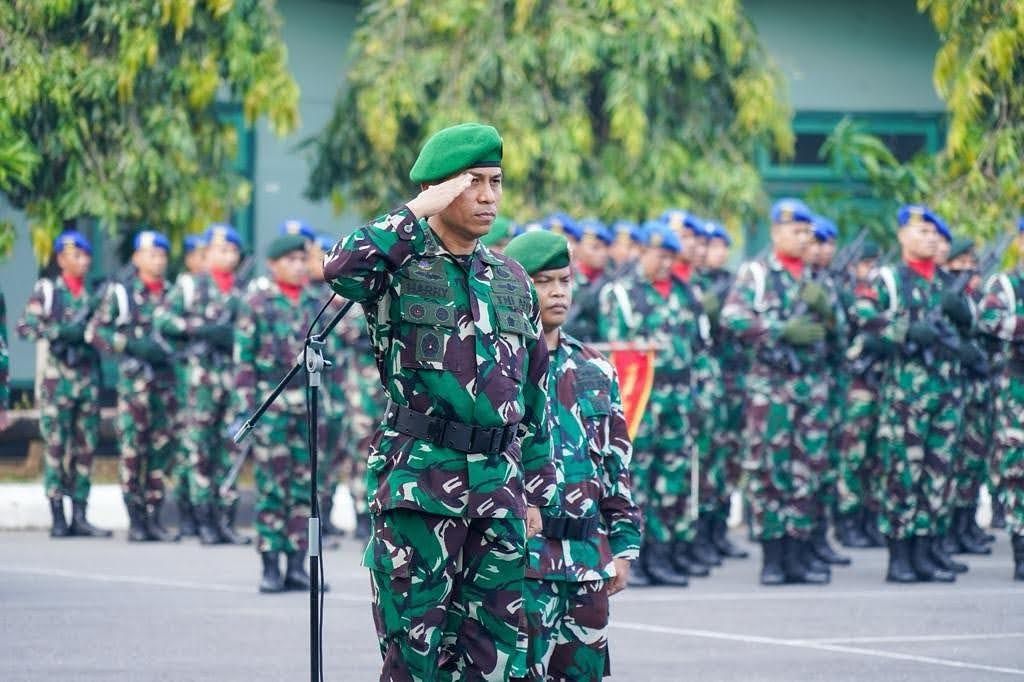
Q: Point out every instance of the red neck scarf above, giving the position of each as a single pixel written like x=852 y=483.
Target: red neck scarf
x=225 y=281
x=663 y=286
x=924 y=268
x=155 y=286
x=683 y=270
x=291 y=291
x=589 y=272
x=793 y=264
x=74 y=284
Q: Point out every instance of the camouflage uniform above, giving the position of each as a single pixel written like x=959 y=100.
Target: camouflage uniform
x=181 y=468
x=787 y=418
x=146 y=400
x=5 y=359
x=190 y=306
x=69 y=416
x=1002 y=316
x=920 y=417
x=456 y=338
x=566 y=590
x=269 y=335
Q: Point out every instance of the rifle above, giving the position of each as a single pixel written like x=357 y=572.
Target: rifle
x=243 y=273
x=70 y=352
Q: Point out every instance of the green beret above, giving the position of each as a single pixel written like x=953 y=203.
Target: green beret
x=501 y=229
x=467 y=145
x=285 y=244
x=960 y=246
x=870 y=251
x=539 y=250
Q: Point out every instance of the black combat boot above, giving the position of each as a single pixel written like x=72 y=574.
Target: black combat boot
x=968 y=544
x=849 y=532
x=976 y=531
x=205 y=517
x=871 y=530
x=296 y=578
x=795 y=556
x=187 y=519
x=82 y=528
x=362 y=531
x=657 y=558
x=924 y=565
x=156 y=530
x=59 y=529
x=1017 y=541
x=772 y=572
x=703 y=548
x=720 y=535
x=326 y=527
x=136 y=522
x=272 y=580
x=683 y=561
x=945 y=560
x=900 y=568
x=637 y=576
x=822 y=549
x=812 y=561
x=998 y=513
x=226 y=527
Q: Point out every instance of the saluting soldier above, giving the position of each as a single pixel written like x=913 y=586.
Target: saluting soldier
x=582 y=555
x=123 y=326
x=201 y=311
x=787 y=410
x=69 y=411
x=463 y=453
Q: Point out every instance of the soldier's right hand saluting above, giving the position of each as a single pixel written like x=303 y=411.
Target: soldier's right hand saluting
x=435 y=198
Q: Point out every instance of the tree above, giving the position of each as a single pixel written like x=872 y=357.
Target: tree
x=110 y=108
x=612 y=108
x=976 y=182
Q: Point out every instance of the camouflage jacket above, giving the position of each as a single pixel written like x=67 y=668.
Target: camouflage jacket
x=760 y=303
x=192 y=303
x=269 y=335
x=896 y=298
x=126 y=312
x=584 y=317
x=50 y=305
x=592 y=453
x=1001 y=315
x=458 y=338
x=633 y=310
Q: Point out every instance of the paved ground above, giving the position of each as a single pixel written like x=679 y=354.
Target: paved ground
x=106 y=610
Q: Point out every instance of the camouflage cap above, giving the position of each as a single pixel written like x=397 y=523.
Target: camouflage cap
x=448 y=151
x=540 y=250
x=284 y=245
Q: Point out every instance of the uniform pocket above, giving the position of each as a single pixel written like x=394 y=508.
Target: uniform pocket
x=427 y=328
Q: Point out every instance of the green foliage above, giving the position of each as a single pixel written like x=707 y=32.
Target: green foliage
x=109 y=108
x=607 y=107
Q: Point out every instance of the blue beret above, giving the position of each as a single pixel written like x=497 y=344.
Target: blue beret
x=1020 y=223
x=298 y=227
x=71 y=238
x=624 y=229
x=454 y=149
x=824 y=229
x=595 y=227
x=790 y=210
x=943 y=229
x=148 y=238
x=916 y=213
x=560 y=223
x=193 y=242
x=716 y=231
x=674 y=218
x=326 y=241
x=695 y=225
x=657 y=234
x=221 y=232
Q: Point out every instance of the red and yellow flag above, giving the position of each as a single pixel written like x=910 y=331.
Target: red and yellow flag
x=634 y=363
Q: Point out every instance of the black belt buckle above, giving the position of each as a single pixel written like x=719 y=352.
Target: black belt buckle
x=456 y=435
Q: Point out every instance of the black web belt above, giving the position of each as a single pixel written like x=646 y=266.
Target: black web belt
x=448 y=433
x=568 y=528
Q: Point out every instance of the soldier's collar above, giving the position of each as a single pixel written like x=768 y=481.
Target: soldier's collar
x=486 y=255
x=569 y=340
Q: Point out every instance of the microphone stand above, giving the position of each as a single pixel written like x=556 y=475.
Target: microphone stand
x=311 y=359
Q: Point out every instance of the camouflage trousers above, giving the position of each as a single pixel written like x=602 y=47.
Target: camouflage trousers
x=918 y=429
x=567 y=626
x=209 y=452
x=662 y=462
x=860 y=467
x=181 y=469
x=970 y=466
x=365 y=407
x=145 y=409
x=727 y=436
x=838 y=388
x=283 y=474
x=1010 y=447
x=787 y=432
x=69 y=422
x=448 y=596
